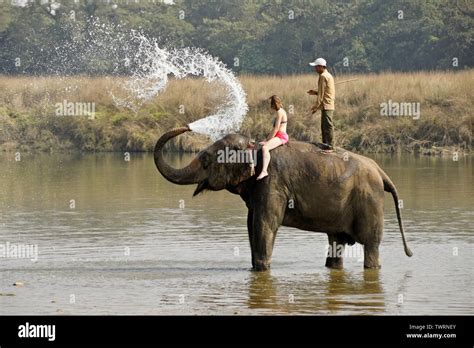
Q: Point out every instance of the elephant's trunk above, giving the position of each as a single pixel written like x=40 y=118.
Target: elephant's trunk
x=184 y=176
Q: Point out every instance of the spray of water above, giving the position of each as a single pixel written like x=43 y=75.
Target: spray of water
x=154 y=66
x=145 y=66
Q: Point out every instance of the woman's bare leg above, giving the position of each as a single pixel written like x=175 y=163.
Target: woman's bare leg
x=270 y=145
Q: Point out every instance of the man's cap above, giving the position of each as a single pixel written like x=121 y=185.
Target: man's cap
x=319 y=61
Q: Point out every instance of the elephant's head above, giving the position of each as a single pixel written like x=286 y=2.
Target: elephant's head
x=214 y=168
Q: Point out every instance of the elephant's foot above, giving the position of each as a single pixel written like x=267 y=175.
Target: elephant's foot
x=371 y=257
x=334 y=262
x=261 y=266
x=371 y=264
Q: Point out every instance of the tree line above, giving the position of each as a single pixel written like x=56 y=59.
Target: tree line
x=249 y=36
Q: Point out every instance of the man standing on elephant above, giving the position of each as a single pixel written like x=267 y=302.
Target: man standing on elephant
x=324 y=102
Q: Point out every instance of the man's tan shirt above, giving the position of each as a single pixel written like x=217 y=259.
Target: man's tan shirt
x=326 y=92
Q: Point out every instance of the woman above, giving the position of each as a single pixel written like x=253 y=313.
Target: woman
x=277 y=136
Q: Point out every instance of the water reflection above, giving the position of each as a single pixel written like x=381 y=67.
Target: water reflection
x=331 y=292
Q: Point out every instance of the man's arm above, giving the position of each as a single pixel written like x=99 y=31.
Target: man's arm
x=321 y=94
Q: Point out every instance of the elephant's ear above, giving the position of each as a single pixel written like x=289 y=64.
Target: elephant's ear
x=245 y=170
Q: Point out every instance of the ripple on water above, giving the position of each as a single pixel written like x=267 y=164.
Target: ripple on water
x=136 y=252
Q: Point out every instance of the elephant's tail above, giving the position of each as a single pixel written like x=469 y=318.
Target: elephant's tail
x=388 y=186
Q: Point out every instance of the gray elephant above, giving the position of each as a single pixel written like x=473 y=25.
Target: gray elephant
x=340 y=194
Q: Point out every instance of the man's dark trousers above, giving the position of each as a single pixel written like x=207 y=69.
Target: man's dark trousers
x=327 y=127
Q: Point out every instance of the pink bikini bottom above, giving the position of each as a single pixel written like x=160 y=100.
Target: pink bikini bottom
x=282 y=136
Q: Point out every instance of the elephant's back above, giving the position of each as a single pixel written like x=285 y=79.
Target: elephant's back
x=314 y=152
x=308 y=160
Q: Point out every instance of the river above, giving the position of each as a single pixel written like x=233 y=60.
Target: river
x=114 y=237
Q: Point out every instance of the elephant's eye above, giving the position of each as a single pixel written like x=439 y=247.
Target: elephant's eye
x=205 y=160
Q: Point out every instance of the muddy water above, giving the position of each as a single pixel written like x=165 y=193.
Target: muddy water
x=114 y=237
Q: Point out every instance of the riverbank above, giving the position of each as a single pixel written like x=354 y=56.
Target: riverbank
x=426 y=112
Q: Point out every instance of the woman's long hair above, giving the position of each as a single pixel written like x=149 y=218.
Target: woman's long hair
x=275 y=102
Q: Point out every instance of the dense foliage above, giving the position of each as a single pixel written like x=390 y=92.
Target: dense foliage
x=252 y=36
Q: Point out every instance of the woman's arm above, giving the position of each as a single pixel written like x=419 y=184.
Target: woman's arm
x=275 y=128
x=277 y=125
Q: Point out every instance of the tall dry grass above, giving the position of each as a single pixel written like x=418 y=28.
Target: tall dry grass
x=28 y=121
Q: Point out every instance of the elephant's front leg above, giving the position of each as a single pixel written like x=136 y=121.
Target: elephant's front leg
x=250 y=231
x=335 y=254
x=267 y=218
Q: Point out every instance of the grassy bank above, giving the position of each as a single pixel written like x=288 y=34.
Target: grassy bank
x=28 y=121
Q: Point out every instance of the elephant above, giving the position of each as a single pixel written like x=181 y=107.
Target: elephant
x=340 y=193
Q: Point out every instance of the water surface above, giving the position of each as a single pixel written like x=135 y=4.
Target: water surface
x=114 y=237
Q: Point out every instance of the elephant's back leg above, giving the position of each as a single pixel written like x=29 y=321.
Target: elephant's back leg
x=337 y=243
x=368 y=231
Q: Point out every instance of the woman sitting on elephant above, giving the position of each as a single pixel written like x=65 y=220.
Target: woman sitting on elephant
x=277 y=136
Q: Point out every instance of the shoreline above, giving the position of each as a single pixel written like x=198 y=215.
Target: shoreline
x=441 y=123
x=429 y=152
